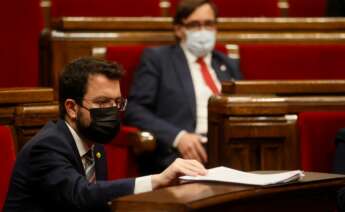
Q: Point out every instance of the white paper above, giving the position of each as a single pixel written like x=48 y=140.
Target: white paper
x=224 y=174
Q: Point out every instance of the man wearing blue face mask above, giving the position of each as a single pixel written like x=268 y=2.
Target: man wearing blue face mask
x=173 y=83
x=61 y=168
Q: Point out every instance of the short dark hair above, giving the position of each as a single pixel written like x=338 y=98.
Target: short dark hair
x=186 y=7
x=74 y=78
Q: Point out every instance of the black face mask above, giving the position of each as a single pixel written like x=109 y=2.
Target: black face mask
x=105 y=125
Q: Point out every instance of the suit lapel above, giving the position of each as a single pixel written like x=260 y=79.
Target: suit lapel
x=100 y=162
x=220 y=68
x=182 y=69
x=62 y=125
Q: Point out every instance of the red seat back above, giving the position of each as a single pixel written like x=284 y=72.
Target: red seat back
x=128 y=56
x=121 y=159
x=22 y=23
x=104 y=8
x=307 y=8
x=317 y=135
x=240 y=8
x=292 y=61
x=7 y=159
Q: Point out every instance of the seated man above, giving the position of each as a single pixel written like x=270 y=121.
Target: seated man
x=173 y=83
x=63 y=167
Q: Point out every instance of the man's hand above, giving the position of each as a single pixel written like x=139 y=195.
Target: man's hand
x=190 y=147
x=178 y=168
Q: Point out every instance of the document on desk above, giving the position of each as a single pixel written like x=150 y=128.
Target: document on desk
x=228 y=175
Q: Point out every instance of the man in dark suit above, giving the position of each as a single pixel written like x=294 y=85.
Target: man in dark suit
x=173 y=83
x=63 y=167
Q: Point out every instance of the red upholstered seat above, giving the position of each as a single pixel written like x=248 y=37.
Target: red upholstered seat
x=307 y=8
x=21 y=23
x=7 y=159
x=317 y=135
x=289 y=61
x=242 y=8
x=128 y=56
x=101 y=8
x=121 y=160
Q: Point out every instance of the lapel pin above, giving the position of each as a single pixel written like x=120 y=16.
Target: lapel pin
x=223 y=68
x=98 y=155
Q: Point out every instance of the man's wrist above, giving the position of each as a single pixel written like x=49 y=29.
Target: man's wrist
x=155 y=181
x=178 y=138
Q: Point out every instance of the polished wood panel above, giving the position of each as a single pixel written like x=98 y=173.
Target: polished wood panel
x=294 y=87
x=315 y=192
x=25 y=95
x=253 y=124
x=26 y=110
x=224 y=24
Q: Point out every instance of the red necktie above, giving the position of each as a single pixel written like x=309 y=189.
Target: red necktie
x=207 y=77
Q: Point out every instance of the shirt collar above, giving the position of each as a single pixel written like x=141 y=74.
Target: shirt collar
x=192 y=58
x=82 y=147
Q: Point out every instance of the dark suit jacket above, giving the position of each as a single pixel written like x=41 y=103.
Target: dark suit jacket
x=339 y=165
x=336 y=8
x=162 y=98
x=49 y=176
x=339 y=157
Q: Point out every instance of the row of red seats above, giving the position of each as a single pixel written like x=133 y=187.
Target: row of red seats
x=228 y=8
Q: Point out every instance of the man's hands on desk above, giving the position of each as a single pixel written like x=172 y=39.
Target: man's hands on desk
x=190 y=146
x=178 y=168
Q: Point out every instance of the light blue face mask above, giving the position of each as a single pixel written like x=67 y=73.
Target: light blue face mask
x=200 y=42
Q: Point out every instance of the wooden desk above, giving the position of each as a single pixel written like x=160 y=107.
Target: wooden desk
x=315 y=192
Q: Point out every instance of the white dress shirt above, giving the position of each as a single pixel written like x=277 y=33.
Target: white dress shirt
x=201 y=90
x=142 y=184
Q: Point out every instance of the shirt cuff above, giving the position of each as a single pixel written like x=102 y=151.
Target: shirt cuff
x=143 y=184
x=178 y=137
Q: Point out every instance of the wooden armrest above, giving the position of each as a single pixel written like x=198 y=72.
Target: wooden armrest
x=139 y=141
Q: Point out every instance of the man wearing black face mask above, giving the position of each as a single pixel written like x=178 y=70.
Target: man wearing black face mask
x=58 y=171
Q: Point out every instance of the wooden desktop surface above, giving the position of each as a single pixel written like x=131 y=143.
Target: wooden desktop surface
x=315 y=192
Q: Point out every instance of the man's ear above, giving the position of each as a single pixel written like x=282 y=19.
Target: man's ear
x=71 y=108
x=179 y=32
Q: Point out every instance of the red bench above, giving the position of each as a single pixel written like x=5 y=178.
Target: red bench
x=22 y=23
x=307 y=8
x=98 y=8
x=292 y=61
x=240 y=8
x=7 y=159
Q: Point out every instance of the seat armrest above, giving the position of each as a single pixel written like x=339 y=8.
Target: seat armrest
x=139 y=141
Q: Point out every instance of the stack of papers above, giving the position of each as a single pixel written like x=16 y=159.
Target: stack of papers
x=228 y=175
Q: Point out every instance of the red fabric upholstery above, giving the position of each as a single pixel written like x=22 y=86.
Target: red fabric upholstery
x=7 y=158
x=289 y=61
x=120 y=158
x=317 y=135
x=307 y=8
x=105 y=8
x=128 y=56
x=21 y=23
x=121 y=161
x=241 y=8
